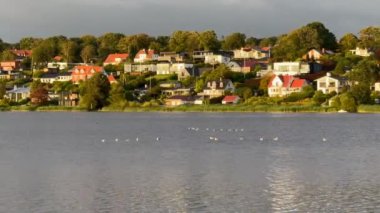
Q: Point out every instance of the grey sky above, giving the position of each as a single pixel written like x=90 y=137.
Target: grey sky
x=259 y=18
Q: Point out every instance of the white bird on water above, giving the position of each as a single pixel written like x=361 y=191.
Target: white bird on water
x=127 y=140
x=158 y=139
x=275 y=138
x=241 y=138
x=261 y=139
x=116 y=139
x=137 y=139
x=103 y=140
x=324 y=139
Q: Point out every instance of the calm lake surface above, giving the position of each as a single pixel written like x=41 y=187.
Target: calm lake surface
x=70 y=162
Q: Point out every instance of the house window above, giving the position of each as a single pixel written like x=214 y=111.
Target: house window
x=322 y=84
x=332 y=84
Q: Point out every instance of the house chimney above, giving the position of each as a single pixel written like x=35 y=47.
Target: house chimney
x=328 y=74
x=221 y=84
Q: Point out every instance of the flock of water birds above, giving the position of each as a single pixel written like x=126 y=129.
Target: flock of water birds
x=212 y=139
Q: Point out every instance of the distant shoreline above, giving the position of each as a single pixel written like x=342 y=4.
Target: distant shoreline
x=199 y=108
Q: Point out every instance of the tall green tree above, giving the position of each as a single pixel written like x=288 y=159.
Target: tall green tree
x=68 y=50
x=181 y=41
x=209 y=41
x=234 y=41
x=87 y=53
x=95 y=92
x=348 y=42
x=7 y=55
x=108 y=44
x=294 y=45
x=117 y=96
x=29 y=43
x=370 y=37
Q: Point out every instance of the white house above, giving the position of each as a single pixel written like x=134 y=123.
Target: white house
x=18 y=94
x=280 y=86
x=291 y=68
x=330 y=83
x=218 y=88
x=216 y=59
x=364 y=52
x=168 y=68
x=140 y=68
x=249 y=53
x=145 y=55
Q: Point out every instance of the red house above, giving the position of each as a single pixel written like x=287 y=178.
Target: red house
x=82 y=73
x=115 y=59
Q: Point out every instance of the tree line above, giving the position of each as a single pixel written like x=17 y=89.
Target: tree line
x=290 y=46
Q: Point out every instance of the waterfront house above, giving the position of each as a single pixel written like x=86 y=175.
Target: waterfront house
x=283 y=85
x=18 y=94
x=180 y=100
x=68 y=99
x=231 y=99
x=115 y=59
x=145 y=56
x=176 y=92
x=331 y=83
x=218 y=88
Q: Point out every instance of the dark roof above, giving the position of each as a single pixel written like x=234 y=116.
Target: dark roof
x=193 y=71
x=49 y=75
x=64 y=74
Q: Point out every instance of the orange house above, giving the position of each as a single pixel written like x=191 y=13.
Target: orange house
x=82 y=73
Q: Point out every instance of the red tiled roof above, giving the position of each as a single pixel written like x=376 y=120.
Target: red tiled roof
x=58 y=58
x=111 y=79
x=265 y=48
x=298 y=83
x=149 y=53
x=112 y=57
x=87 y=69
x=289 y=81
x=22 y=53
x=230 y=98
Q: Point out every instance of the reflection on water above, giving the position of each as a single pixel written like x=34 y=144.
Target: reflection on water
x=60 y=164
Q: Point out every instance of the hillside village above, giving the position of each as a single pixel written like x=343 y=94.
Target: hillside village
x=306 y=67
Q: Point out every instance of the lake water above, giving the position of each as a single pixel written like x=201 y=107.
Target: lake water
x=91 y=162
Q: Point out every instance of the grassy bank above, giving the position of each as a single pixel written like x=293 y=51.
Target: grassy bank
x=200 y=108
x=227 y=108
x=369 y=109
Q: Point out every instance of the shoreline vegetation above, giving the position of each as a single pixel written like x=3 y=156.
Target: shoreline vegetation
x=241 y=108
